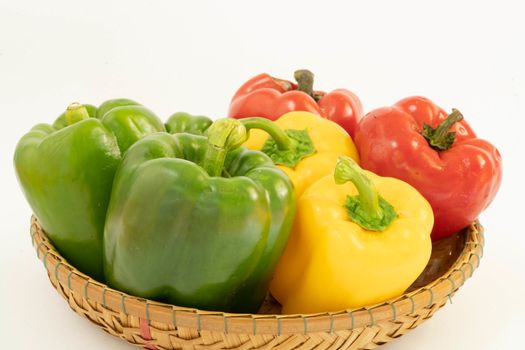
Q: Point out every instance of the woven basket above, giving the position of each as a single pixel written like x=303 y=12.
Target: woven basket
x=155 y=325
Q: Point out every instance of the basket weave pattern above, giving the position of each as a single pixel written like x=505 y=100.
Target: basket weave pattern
x=155 y=325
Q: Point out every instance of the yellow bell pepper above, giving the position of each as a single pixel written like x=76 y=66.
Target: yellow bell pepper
x=357 y=239
x=328 y=138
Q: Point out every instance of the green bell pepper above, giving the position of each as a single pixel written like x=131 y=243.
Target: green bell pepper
x=66 y=172
x=66 y=175
x=198 y=222
x=184 y=122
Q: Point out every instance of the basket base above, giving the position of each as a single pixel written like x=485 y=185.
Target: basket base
x=154 y=325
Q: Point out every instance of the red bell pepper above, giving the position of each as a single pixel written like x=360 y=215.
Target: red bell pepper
x=269 y=97
x=440 y=155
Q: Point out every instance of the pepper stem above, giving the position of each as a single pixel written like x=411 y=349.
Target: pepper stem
x=76 y=112
x=281 y=139
x=284 y=147
x=440 y=138
x=224 y=135
x=305 y=83
x=368 y=209
x=346 y=170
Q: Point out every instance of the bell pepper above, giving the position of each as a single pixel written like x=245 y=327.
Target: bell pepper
x=440 y=155
x=66 y=175
x=196 y=221
x=184 y=122
x=66 y=172
x=326 y=139
x=357 y=239
x=269 y=97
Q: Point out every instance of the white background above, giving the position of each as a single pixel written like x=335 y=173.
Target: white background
x=192 y=56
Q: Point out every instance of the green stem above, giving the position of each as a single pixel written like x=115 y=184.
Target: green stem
x=368 y=209
x=284 y=147
x=224 y=135
x=440 y=137
x=76 y=112
x=445 y=126
x=348 y=170
x=281 y=139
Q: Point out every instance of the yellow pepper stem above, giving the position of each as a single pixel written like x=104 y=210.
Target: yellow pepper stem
x=282 y=140
x=224 y=135
x=368 y=209
x=284 y=147
x=76 y=112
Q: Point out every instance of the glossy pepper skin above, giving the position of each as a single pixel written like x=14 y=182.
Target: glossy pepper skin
x=66 y=171
x=269 y=97
x=185 y=229
x=66 y=175
x=185 y=122
x=459 y=181
x=332 y=263
x=329 y=139
x=129 y=121
x=108 y=105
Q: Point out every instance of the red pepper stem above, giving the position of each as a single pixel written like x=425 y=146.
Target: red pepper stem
x=441 y=138
x=76 y=112
x=444 y=127
x=224 y=135
x=282 y=140
x=305 y=83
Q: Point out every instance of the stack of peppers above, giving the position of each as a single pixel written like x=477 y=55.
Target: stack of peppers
x=213 y=214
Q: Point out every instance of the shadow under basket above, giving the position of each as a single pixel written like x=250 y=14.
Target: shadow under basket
x=155 y=325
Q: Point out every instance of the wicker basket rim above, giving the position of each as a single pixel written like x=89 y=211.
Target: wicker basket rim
x=273 y=324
